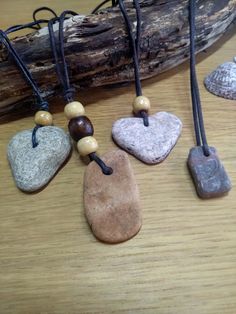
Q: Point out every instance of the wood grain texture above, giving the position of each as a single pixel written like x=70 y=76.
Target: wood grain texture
x=184 y=258
x=98 y=52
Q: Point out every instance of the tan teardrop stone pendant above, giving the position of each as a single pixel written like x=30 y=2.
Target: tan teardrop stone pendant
x=112 y=205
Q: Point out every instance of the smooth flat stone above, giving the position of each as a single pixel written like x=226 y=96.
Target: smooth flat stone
x=32 y=168
x=111 y=202
x=150 y=144
x=209 y=175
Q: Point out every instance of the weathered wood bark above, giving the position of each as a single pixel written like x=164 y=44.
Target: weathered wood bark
x=97 y=46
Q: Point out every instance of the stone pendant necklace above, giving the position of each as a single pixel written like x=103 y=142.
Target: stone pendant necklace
x=111 y=197
x=208 y=173
x=148 y=138
x=37 y=154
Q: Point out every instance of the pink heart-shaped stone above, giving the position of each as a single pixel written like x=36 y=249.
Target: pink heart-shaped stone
x=150 y=144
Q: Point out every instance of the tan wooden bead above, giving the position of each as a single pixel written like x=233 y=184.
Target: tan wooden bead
x=74 y=109
x=141 y=103
x=87 y=145
x=43 y=118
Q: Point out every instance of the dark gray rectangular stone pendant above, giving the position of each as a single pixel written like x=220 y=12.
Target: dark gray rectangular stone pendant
x=208 y=173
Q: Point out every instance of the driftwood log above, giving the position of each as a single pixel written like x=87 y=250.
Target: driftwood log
x=98 y=52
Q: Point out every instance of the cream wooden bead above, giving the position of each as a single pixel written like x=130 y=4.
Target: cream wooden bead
x=141 y=103
x=87 y=145
x=43 y=118
x=74 y=109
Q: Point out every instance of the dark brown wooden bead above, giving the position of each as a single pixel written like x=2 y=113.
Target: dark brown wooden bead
x=80 y=127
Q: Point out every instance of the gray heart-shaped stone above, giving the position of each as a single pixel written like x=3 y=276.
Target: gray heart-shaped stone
x=150 y=144
x=32 y=168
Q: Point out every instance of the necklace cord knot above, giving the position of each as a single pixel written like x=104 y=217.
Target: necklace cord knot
x=44 y=106
x=105 y=169
x=69 y=94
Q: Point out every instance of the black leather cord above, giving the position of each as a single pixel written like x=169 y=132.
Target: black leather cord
x=114 y=3
x=58 y=50
x=59 y=54
x=105 y=169
x=41 y=103
x=200 y=133
x=40 y=10
x=21 y=65
x=35 y=25
x=23 y=26
x=135 y=46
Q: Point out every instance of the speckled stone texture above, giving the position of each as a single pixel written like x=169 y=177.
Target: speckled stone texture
x=150 y=144
x=32 y=168
x=209 y=175
x=111 y=202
